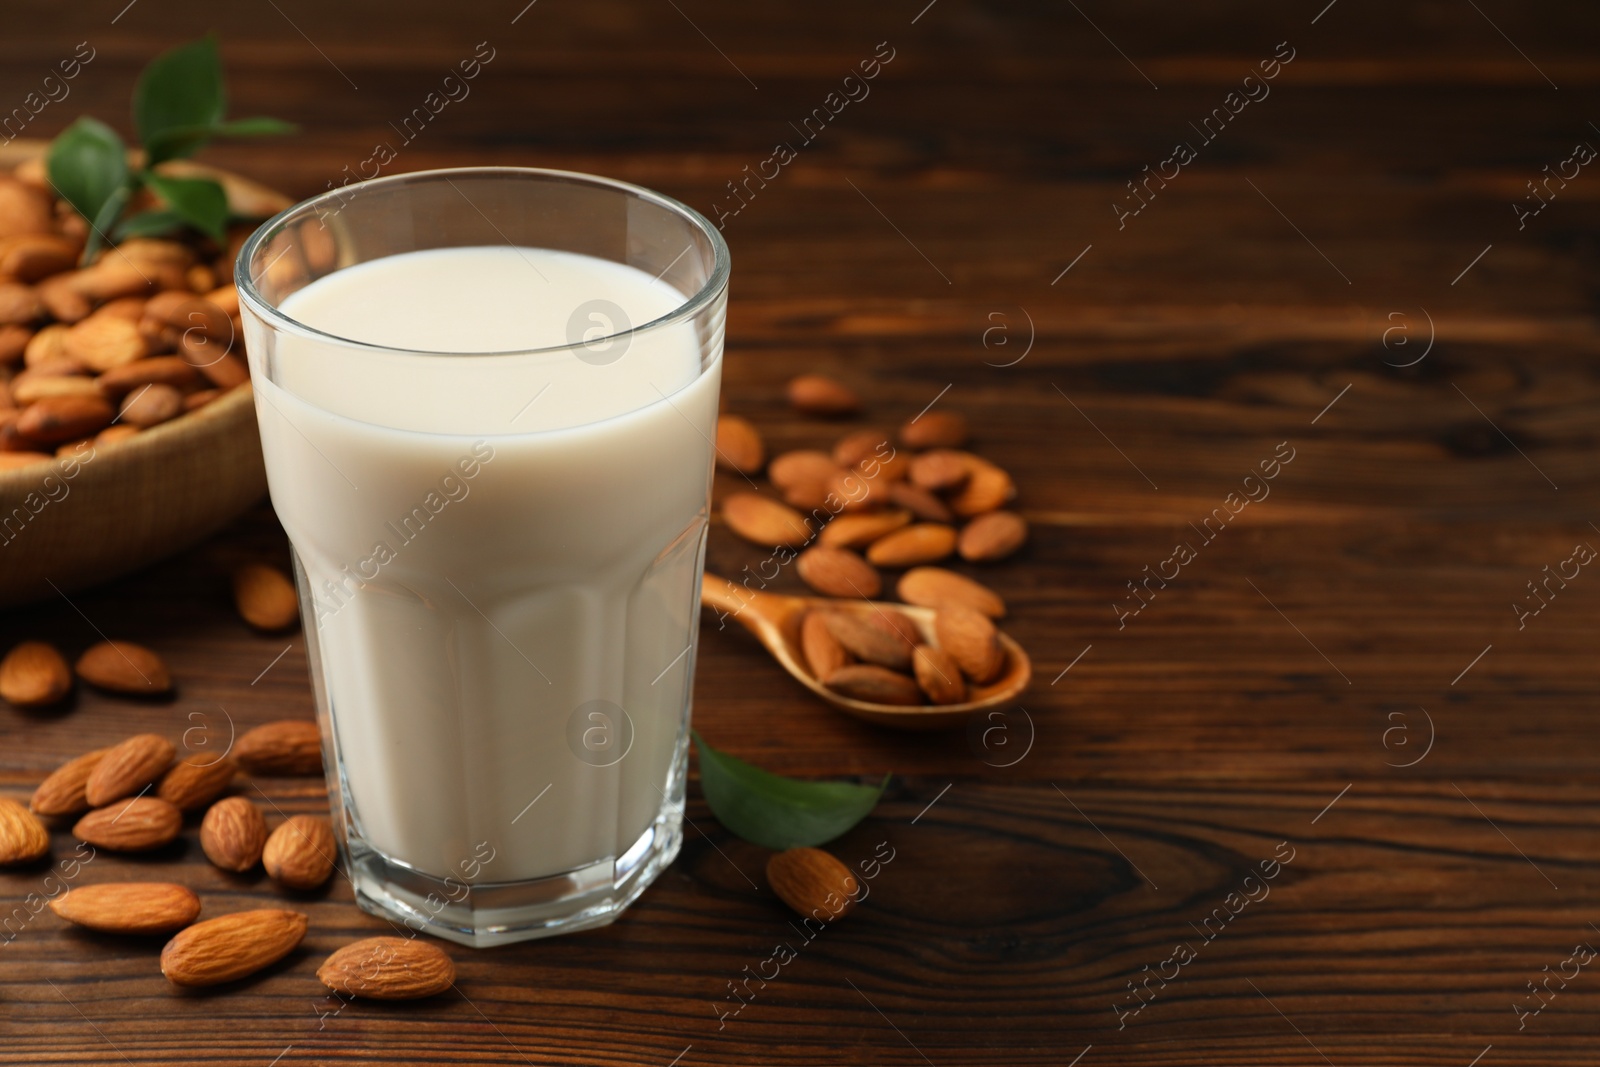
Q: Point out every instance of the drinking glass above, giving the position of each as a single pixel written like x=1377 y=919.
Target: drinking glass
x=498 y=552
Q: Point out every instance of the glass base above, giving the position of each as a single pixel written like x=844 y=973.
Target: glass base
x=485 y=914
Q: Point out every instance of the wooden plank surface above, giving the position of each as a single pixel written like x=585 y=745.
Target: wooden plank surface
x=1266 y=703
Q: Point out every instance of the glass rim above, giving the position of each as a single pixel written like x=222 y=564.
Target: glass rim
x=715 y=283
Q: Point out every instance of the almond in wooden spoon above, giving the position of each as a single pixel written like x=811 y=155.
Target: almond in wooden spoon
x=34 y=675
x=129 y=907
x=823 y=652
x=388 y=968
x=970 y=639
x=232 y=946
x=874 y=684
x=938 y=675
x=870 y=638
x=124 y=667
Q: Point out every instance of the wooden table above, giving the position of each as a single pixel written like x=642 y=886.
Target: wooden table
x=1337 y=679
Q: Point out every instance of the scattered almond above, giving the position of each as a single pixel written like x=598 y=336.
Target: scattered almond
x=987 y=488
x=137 y=824
x=289 y=748
x=992 y=536
x=765 y=522
x=970 y=639
x=813 y=882
x=925 y=542
x=870 y=638
x=124 y=667
x=265 y=597
x=851 y=491
x=935 y=429
x=33 y=675
x=300 y=852
x=129 y=907
x=822 y=651
x=858 y=445
x=874 y=684
x=128 y=767
x=388 y=968
x=938 y=675
x=62 y=793
x=838 y=572
x=739 y=446
x=231 y=946
x=197 y=780
x=23 y=837
x=792 y=469
x=921 y=503
x=941 y=470
x=233 y=834
x=935 y=587
x=815 y=394
x=859 y=531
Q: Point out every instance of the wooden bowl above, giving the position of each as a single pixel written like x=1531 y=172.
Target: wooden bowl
x=142 y=499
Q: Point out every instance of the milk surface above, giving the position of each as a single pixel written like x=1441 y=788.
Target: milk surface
x=493 y=543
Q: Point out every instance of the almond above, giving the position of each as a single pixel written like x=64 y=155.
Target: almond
x=10 y=461
x=300 y=852
x=112 y=434
x=809 y=495
x=30 y=257
x=812 y=882
x=934 y=429
x=992 y=536
x=30 y=386
x=233 y=833
x=63 y=300
x=265 y=597
x=183 y=310
x=34 y=675
x=970 y=639
x=941 y=469
x=815 y=394
x=288 y=747
x=870 y=638
x=935 y=587
x=765 y=522
x=156 y=370
x=859 y=531
x=822 y=651
x=225 y=297
x=923 y=543
x=49 y=345
x=388 y=968
x=739 y=446
x=838 y=572
x=24 y=208
x=858 y=445
x=54 y=419
x=23 y=837
x=114 y=276
x=124 y=667
x=885 y=470
x=197 y=780
x=873 y=684
x=127 y=768
x=19 y=304
x=62 y=793
x=851 y=490
x=126 y=307
x=195 y=401
x=231 y=946
x=151 y=405
x=921 y=503
x=938 y=675
x=101 y=342
x=13 y=342
x=987 y=488
x=129 y=907
x=214 y=360
x=793 y=469
x=138 y=824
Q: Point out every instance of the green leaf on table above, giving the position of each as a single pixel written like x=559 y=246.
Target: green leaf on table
x=200 y=202
x=179 y=100
x=149 y=224
x=777 y=812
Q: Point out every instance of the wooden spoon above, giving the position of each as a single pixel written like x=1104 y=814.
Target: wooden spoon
x=775 y=620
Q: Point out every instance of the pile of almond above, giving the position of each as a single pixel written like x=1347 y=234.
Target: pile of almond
x=147 y=332
x=902 y=501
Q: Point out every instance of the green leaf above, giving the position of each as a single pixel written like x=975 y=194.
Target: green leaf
x=260 y=126
x=178 y=99
x=88 y=166
x=192 y=137
x=200 y=202
x=149 y=224
x=777 y=812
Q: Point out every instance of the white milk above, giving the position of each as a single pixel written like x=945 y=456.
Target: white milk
x=492 y=541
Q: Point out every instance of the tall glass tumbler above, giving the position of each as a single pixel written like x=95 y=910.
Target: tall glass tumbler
x=487 y=401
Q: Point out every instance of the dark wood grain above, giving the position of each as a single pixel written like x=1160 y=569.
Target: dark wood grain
x=1270 y=694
